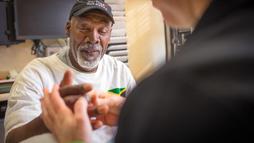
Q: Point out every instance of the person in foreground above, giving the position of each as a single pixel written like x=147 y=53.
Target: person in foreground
x=204 y=94
x=89 y=29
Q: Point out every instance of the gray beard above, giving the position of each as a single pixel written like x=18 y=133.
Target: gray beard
x=89 y=65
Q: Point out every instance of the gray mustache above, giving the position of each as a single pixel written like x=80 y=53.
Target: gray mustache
x=91 y=46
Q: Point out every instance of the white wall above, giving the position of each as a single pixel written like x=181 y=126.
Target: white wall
x=15 y=56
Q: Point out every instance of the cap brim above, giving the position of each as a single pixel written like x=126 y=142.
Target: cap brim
x=83 y=10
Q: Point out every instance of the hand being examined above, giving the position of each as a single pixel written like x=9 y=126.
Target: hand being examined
x=104 y=108
x=62 y=107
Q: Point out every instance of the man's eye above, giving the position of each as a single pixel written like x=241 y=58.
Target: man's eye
x=84 y=29
x=104 y=31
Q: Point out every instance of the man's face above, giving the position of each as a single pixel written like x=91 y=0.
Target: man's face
x=89 y=37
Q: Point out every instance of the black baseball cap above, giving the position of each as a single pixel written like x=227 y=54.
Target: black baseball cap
x=82 y=6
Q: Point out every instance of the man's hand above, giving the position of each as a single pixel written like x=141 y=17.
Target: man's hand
x=71 y=93
x=65 y=124
x=104 y=108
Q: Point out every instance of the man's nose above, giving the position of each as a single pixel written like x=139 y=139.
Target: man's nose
x=94 y=37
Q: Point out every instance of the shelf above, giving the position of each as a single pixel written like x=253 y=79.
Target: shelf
x=7 y=81
x=5 y=86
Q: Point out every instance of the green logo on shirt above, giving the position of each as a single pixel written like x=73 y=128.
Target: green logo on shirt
x=118 y=91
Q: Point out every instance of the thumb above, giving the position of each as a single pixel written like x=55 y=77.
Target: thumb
x=84 y=127
x=80 y=112
x=80 y=107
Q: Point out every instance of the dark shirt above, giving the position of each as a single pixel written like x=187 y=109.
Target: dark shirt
x=206 y=93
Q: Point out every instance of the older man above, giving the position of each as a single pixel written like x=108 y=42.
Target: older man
x=89 y=30
x=205 y=94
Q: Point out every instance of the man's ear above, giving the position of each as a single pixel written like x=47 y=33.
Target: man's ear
x=67 y=28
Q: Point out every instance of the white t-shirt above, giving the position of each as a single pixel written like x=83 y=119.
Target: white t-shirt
x=24 y=101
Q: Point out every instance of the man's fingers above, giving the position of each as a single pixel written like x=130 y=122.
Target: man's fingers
x=67 y=79
x=100 y=110
x=104 y=109
x=80 y=89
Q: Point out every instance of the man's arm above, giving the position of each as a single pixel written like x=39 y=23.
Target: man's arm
x=35 y=127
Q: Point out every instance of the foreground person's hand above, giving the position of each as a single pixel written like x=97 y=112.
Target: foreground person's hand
x=65 y=124
x=105 y=107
